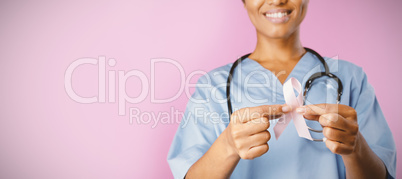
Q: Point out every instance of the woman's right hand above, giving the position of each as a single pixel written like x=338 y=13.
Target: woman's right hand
x=247 y=133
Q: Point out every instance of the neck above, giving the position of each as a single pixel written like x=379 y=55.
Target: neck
x=278 y=49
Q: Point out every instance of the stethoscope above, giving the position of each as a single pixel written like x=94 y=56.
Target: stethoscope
x=307 y=86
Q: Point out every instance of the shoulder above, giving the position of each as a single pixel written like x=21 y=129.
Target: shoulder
x=216 y=76
x=354 y=80
x=342 y=64
x=345 y=69
x=210 y=83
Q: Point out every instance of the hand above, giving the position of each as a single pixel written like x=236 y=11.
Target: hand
x=247 y=133
x=340 y=127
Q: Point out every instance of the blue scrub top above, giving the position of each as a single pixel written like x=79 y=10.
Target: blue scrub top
x=206 y=117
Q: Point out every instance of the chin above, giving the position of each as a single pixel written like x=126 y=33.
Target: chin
x=276 y=35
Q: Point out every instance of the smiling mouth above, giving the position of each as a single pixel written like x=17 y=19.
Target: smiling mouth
x=278 y=15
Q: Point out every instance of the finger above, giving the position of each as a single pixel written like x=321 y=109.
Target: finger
x=338 y=148
x=244 y=143
x=259 y=138
x=339 y=136
x=246 y=114
x=320 y=109
x=339 y=122
x=286 y=108
x=333 y=120
x=256 y=151
x=311 y=117
x=270 y=111
x=256 y=125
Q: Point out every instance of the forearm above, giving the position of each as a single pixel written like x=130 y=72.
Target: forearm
x=363 y=162
x=218 y=162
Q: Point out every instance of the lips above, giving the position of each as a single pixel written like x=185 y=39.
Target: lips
x=278 y=15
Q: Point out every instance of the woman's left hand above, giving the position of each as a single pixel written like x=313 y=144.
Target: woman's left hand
x=339 y=123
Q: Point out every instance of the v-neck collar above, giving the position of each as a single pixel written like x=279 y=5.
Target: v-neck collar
x=303 y=66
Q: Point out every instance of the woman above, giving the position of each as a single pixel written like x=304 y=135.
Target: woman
x=357 y=140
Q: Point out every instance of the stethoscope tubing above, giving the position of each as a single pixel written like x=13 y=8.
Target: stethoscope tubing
x=307 y=86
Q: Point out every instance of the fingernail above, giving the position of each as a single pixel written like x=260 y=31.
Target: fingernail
x=301 y=110
x=324 y=139
x=286 y=109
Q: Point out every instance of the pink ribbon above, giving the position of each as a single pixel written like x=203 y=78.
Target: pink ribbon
x=294 y=102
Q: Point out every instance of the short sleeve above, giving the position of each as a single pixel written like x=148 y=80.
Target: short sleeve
x=372 y=123
x=195 y=134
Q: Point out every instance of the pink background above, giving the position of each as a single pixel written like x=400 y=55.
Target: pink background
x=45 y=134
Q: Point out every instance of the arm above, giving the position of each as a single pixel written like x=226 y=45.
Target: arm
x=343 y=137
x=245 y=137
x=218 y=162
x=363 y=162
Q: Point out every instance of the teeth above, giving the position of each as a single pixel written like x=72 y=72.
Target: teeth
x=277 y=14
